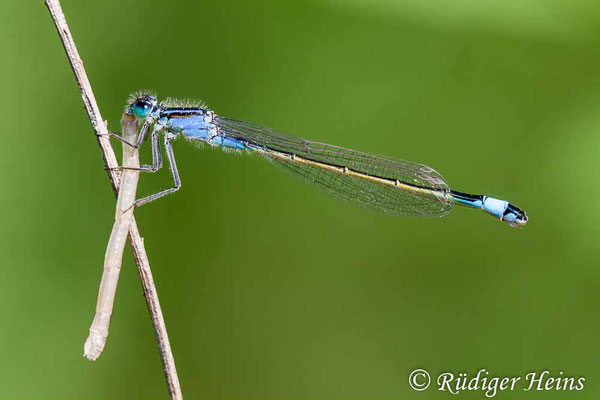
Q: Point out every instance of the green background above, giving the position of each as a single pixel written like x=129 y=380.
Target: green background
x=270 y=289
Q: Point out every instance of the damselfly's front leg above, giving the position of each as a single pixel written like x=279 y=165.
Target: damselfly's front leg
x=156 y=154
x=174 y=173
x=140 y=137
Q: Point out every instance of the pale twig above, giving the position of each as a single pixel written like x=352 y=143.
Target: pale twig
x=116 y=244
x=110 y=162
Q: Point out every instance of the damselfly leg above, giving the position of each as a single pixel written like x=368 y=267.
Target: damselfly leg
x=140 y=137
x=157 y=163
x=174 y=174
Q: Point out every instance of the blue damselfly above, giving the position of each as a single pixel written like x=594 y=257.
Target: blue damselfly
x=375 y=182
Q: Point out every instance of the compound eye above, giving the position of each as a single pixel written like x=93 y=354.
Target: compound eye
x=142 y=108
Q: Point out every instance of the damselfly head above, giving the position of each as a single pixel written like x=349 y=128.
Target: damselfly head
x=142 y=106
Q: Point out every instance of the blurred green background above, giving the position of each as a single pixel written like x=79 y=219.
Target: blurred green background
x=270 y=289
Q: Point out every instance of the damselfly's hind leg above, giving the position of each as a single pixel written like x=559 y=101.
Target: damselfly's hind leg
x=174 y=173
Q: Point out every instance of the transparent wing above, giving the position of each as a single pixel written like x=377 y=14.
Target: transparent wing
x=375 y=182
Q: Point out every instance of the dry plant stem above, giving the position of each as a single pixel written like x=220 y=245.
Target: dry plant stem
x=116 y=244
x=110 y=162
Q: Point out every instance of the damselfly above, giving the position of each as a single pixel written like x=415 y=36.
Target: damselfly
x=375 y=182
